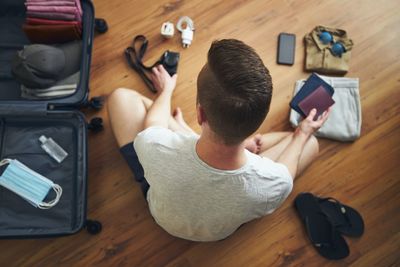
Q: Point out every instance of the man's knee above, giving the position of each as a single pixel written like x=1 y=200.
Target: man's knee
x=121 y=94
x=126 y=112
x=122 y=98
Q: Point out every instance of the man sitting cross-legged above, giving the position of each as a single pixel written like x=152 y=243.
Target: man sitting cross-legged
x=203 y=187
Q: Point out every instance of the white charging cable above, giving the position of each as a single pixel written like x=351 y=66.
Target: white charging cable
x=187 y=32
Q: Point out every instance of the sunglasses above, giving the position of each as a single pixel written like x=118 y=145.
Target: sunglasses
x=337 y=47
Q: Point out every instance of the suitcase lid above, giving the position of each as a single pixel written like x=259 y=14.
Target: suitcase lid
x=14 y=11
x=20 y=140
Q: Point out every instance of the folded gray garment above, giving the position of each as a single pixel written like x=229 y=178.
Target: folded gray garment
x=344 y=121
x=67 y=90
x=63 y=87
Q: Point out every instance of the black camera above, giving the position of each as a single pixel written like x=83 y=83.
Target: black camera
x=170 y=61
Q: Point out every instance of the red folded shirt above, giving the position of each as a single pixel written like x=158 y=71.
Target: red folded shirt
x=50 y=34
x=39 y=21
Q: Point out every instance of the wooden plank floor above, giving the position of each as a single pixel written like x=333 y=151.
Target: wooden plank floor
x=363 y=174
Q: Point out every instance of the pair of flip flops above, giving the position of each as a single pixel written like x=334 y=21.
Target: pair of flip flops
x=326 y=219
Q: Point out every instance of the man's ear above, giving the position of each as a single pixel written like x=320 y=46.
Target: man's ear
x=201 y=115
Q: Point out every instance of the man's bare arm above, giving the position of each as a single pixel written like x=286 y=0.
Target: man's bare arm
x=291 y=154
x=159 y=112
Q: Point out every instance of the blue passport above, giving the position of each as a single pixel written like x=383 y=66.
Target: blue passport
x=310 y=85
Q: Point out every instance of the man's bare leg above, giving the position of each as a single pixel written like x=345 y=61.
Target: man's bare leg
x=176 y=123
x=273 y=144
x=127 y=110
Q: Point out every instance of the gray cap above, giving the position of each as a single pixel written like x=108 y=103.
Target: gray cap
x=41 y=66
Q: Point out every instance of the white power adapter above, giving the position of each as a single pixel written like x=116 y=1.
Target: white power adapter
x=187 y=32
x=167 y=30
x=187 y=37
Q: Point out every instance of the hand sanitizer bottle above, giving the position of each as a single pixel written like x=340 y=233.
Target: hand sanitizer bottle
x=53 y=149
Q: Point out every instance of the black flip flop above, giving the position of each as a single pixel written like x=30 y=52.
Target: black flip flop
x=345 y=219
x=320 y=230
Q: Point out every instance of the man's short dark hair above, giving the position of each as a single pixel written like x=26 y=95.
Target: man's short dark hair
x=234 y=89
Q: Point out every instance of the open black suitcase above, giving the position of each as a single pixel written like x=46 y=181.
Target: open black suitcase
x=23 y=121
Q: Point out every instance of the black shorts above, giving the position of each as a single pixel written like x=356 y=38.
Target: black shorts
x=129 y=154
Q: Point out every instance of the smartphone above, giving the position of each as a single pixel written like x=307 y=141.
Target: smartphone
x=286 y=47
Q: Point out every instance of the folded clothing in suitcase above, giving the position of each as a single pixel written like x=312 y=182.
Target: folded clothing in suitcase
x=13 y=40
x=53 y=21
x=23 y=121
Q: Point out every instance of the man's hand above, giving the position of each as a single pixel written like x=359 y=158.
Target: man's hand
x=308 y=126
x=162 y=80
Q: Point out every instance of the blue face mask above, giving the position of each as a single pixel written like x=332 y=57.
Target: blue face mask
x=28 y=184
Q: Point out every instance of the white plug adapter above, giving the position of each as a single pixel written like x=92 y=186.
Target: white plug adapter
x=167 y=30
x=186 y=26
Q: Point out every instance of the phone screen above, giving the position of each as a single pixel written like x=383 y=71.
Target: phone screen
x=286 y=48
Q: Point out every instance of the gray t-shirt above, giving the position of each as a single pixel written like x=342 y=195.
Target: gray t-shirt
x=192 y=200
